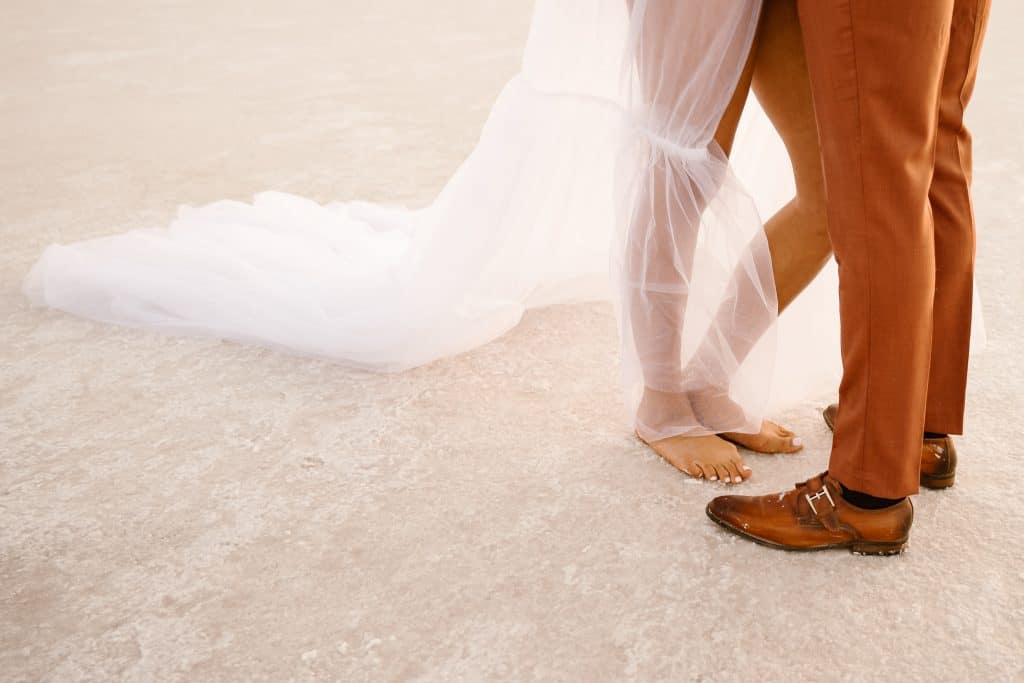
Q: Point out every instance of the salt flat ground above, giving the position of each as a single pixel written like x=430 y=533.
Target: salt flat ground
x=180 y=509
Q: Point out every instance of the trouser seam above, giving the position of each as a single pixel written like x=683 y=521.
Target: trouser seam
x=867 y=251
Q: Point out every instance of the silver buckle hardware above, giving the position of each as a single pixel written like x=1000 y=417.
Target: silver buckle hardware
x=823 y=493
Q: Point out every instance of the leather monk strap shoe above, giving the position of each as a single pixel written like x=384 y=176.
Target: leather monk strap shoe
x=815 y=516
x=938 y=456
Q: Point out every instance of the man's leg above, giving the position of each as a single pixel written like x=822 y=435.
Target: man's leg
x=876 y=70
x=950 y=197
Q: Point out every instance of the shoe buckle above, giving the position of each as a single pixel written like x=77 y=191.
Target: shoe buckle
x=823 y=493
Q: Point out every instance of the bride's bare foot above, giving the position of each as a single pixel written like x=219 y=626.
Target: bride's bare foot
x=714 y=407
x=703 y=457
x=772 y=438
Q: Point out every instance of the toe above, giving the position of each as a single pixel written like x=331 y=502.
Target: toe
x=723 y=473
x=734 y=473
x=790 y=444
x=743 y=469
x=783 y=439
x=694 y=470
x=778 y=439
x=709 y=471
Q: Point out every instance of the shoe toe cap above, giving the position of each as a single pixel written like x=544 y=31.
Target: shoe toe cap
x=722 y=509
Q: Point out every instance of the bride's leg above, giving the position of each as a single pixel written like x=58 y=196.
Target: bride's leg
x=798 y=234
x=658 y=264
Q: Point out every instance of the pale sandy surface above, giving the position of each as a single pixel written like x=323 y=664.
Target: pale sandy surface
x=185 y=510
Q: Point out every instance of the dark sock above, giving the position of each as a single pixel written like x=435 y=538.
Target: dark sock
x=933 y=435
x=866 y=501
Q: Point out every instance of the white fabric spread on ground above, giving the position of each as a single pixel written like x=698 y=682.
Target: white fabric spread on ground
x=604 y=139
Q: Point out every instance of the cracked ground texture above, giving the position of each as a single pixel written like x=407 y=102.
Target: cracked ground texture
x=182 y=509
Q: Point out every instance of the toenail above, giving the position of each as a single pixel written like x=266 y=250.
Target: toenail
x=738 y=479
x=798 y=441
x=747 y=469
x=713 y=478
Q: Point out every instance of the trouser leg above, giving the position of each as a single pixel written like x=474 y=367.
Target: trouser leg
x=876 y=70
x=950 y=197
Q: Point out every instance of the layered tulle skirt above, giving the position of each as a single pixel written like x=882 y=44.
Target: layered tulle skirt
x=596 y=177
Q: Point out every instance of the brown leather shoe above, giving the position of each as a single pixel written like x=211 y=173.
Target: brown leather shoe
x=938 y=456
x=815 y=516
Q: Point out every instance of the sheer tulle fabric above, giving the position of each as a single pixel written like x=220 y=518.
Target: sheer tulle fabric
x=692 y=263
x=599 y=151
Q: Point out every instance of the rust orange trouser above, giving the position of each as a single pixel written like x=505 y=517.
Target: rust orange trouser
x=890 y=82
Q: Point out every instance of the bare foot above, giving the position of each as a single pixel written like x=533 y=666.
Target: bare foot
x=771 y=439
x=715 y=407
x=703 y=457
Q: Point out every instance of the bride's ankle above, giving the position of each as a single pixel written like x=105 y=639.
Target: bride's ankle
x=717 y=410
x=664 y=411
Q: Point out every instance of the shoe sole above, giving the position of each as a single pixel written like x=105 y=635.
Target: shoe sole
x=927 y=481
x=882 y=548
x=938 y=483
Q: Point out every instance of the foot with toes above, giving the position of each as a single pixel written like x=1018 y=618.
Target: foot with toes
x=772 y=438
x=712 y=457
x=703 y=457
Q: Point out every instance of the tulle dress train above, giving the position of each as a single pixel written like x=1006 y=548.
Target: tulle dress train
x=595 y=177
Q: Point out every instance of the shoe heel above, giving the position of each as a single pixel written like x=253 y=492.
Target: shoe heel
x=878 y=548
x=937 y=483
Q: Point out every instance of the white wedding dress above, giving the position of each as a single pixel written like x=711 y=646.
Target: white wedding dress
x=599 y=152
